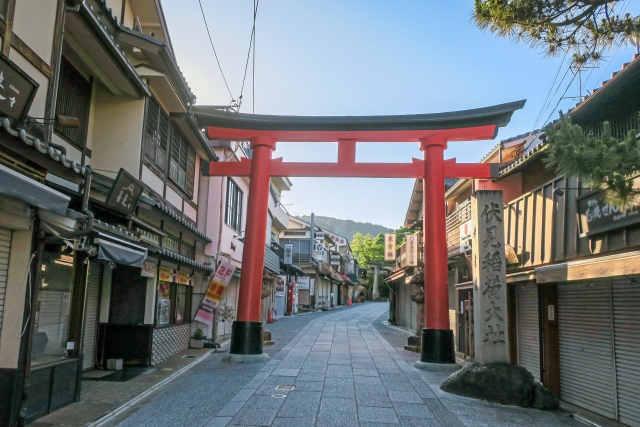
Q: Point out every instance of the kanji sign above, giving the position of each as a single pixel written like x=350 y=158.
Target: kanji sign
x=125 y=192
x=489 y=278
x=412 y=250
x=217 y=286
x=389 y=246
x=17 y=90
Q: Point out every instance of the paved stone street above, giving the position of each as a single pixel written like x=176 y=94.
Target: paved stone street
x=344 y=373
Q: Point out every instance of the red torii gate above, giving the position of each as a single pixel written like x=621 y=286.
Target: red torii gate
x=432 y=131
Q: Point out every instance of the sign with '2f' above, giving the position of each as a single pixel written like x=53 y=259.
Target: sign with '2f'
x=217 y=286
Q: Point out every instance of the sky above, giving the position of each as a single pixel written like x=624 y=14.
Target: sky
x=368 y=57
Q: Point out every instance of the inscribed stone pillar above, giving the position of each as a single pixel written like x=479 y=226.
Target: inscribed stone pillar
x=491 y=336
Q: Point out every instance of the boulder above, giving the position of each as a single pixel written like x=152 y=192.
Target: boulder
x=543 y=398
x=496 y=382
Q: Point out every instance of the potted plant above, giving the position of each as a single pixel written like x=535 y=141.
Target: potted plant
x=198 y=339
x=226 y=314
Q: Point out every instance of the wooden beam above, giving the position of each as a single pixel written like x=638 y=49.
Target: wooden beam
x=8 y=30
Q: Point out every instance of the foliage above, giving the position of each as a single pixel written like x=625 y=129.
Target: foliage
x=346 y=227
x=599 y=161
x=198 y=335
x=368 y=249
x=584 y=27
x=226 y=313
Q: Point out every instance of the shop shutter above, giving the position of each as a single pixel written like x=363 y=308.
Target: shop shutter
x=405 y=306
x=91 y=318
x=585 y=336
x=413 y=321
x=230 y=299
x=626 y=321
x=334 y=289
x=528 y=328
x=5 y=248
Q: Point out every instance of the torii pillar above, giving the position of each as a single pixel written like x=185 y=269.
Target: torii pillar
x=432 y=131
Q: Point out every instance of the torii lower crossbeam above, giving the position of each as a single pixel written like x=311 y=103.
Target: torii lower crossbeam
x=432 y=131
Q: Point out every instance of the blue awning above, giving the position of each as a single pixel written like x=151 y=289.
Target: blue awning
x=21 y=187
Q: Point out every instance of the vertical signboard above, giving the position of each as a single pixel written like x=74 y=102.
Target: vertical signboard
x=412 y=250
x=390 y=247
x=465 y=236
x=211 y=300
x=318 y=251
x=288 y=253
x=280 y=283
x=491 y=335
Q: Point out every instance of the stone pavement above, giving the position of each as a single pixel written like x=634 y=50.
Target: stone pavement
x=343 y=373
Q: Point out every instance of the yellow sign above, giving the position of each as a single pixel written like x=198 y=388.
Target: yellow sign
x=182 y=278
x=164 y=274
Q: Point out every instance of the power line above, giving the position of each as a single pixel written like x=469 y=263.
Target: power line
x=214 y=50
x=256 y=3
x=544 y=104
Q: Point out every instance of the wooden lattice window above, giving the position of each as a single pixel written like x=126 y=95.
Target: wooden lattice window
x=182 y=166
x=74 y=100
x=156 y=135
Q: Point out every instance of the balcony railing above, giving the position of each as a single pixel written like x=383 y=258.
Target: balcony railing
x=454 y=221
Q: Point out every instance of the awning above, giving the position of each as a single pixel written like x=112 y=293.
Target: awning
x=20 y=187
x=398 y=274
x=626 y=264
x=292 y=268
x=119 y=251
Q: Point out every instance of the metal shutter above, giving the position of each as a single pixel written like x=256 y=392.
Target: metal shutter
x=528 y=328
x=413 y=321
x=91 y=314
x=334 y=300
x=230 y=299
x=585 y=335
x=626 y=321
x=5 y=248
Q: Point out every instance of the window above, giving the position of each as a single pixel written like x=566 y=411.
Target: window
x=52 y=309
x=3 y=9
x=233 y=217
x=183 y=163
x=156 y=134
x=174 y=303
x=300 y=246
x=74 y=100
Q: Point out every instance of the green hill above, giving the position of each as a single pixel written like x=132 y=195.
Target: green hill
x=346 y=227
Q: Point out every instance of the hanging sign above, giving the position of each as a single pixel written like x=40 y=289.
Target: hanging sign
x=164 y=274
x=318 y=251
x=319 y=235
x=17 y=90
x=182 y=278
x=390 y=247
x=149 y=270
x=412 y=250
x=335 y=259
x=217 y=286
x=288 y=253
x=465 y=236
x=312 y=287
x=125 y=192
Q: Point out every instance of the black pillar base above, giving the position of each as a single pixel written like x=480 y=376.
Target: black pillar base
x=246 y=338
x=437 y=346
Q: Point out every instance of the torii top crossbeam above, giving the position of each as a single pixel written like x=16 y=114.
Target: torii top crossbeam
x=467 y=125
x=433 y=131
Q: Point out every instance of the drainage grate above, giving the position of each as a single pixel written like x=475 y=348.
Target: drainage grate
x=186 y=356
x=279 y=396
x=284 y=388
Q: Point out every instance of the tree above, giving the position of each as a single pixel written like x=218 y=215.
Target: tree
x=599 y=161
x=584 y=27
x=368 y=249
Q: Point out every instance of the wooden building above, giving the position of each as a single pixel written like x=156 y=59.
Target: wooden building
x=573 y=265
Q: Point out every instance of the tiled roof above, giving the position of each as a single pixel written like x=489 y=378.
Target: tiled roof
x=166 y=209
